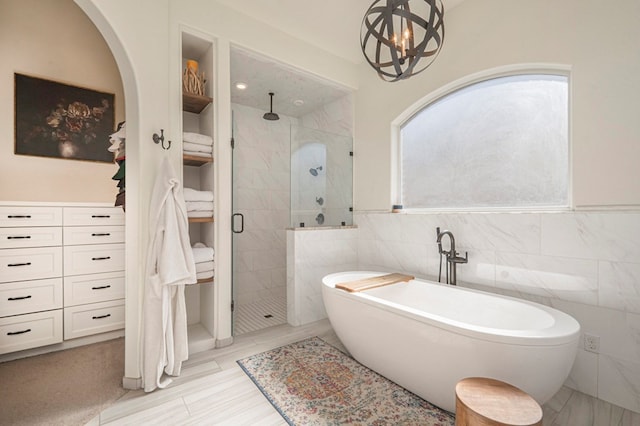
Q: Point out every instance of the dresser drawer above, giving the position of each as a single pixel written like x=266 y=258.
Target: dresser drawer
x=93 y=319
x=30 y=263
x=91 y=259
x=30 y=216
x=82 y=289
x=75 y=235
x=30 y=331
x=30 y=237
x=89 y=216
x=30 y=296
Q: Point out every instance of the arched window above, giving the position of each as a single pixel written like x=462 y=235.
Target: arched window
x=499 y=143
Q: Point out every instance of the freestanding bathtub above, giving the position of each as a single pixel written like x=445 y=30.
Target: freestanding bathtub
x=427 y=336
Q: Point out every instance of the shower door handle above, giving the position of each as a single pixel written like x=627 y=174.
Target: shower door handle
x=233 y=223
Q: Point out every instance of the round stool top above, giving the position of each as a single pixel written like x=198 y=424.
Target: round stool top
x=498 y=401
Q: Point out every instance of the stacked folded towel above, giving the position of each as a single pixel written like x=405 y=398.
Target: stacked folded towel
x=203 y=256
x=198 y=203
x=197 y=144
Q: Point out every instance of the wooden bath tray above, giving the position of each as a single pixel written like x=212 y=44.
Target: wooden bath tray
x=369 y=283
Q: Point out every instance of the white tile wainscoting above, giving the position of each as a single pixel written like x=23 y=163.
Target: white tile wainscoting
x=584 y=263
x=313 y=253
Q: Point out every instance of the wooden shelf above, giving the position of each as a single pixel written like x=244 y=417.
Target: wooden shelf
x=195 y=160
x=200 y=219
x=194 y=103
x=205 y=281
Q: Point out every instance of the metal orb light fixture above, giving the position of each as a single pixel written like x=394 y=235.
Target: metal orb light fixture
x=395 y=36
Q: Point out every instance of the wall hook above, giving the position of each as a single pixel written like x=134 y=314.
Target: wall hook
x=160 y=140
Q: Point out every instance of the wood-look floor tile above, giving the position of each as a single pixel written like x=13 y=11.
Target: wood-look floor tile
x=169 y=413
x=212 y=389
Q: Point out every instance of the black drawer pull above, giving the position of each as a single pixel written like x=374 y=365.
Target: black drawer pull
x=101 y=216
x=19 y=237
x=101 y=234
x=102 y=316
x=19 y=264
x=20 y=298
x=13 y=333
x=102 y=287
x=101 y=258
x=19 y=216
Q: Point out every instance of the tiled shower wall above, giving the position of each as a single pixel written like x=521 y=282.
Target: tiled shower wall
x=586 y=264
x=261 y=194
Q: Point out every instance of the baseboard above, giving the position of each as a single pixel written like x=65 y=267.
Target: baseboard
x=221 y=343
x=66 y=344
x=132 y=383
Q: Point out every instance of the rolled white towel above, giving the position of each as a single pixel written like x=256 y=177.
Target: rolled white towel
x=195 y=195
x=197 y=154
x=205 y=266
x=199 y=205
x=199 y=214
x=195 y=147
x=204 y=275
x=197 y=138
x=202 y=254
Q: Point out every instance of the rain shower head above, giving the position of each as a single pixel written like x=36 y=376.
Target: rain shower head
x=314 y=172
x=271 y=115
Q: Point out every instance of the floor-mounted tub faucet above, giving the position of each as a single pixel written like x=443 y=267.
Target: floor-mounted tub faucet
x=451 y=255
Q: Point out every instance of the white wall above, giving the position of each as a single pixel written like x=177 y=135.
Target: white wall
x=54 y=40
x=144 y=37
x=596 y=39
x=583 y=263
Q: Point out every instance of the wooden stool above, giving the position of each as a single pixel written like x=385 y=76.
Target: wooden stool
x=482 y=401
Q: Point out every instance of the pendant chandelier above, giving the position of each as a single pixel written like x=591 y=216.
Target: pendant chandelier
x=394 y=38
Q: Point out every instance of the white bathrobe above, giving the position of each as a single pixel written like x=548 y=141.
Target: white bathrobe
x=170 y=266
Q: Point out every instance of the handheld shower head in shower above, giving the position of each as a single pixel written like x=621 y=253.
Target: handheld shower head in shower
x=314 y=171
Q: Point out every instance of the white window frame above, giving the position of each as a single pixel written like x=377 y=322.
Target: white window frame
x=489 y=74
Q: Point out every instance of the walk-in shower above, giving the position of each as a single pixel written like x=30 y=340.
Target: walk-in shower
x=290 y=170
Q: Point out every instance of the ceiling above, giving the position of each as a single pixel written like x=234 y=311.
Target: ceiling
x=332 y=25
x=289 y=85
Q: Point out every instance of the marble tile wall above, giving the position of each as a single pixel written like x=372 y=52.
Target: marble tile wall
x=584 y=263
x=312 y=254
x=335 y=117
x=261 y=194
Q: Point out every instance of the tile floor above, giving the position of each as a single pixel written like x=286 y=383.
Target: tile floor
x=263 y=313
x=213 y=390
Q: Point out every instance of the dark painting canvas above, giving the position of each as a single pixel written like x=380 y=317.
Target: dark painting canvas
x=58 y=120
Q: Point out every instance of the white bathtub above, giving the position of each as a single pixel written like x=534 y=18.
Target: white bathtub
x=427 y=336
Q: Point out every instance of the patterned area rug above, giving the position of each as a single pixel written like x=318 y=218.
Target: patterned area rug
x=312 y=383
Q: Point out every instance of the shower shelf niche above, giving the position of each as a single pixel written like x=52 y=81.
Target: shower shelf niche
x=195 y=103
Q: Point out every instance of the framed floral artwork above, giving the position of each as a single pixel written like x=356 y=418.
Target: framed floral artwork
x=59 y=120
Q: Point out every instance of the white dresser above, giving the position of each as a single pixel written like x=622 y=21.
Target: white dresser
x=61 y=273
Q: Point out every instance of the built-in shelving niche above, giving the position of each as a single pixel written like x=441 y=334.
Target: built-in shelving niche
x=198 y=173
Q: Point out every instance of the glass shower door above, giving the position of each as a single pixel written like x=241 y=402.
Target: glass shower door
x=321 y=178
x=237 y=223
